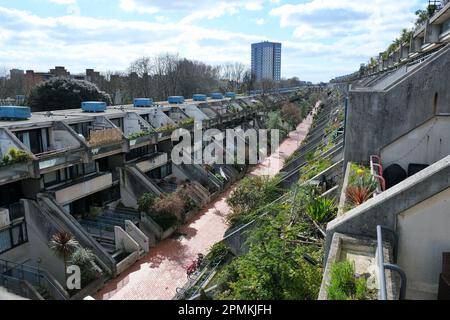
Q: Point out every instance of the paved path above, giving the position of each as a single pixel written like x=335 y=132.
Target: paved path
x=157 y=275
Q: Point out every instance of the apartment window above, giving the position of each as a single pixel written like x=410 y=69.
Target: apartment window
x=82 y=128
x=166 y=170
x=145 y=117
x=35 y=140
x=118 y=123
x=67 y=174
x=139 y=153
x=52 y=178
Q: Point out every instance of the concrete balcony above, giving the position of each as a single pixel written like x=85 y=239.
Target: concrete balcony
x=107 y=142
x=150 y=138
x=82 y=188
x=65 y=148
x=138 y=131
x=152 y=162
x=12 y=169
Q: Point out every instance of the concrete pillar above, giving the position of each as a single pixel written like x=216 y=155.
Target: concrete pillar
x=416 y=44
x=432 y=32
x=404 y=50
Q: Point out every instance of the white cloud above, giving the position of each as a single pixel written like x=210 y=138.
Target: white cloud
x=33 y=42
x=193 y=9
x=63 y=2
x=317 y=47
x=259 y=21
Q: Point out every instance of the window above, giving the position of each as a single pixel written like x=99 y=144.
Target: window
x=139 y=152
x=51 y=178
x=35 y=140
x=118 y=123
x=68 y=174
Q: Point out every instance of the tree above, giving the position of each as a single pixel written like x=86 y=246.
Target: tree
x=63 y=244
x=62 y=93
x=251 y=194
x=291 y=114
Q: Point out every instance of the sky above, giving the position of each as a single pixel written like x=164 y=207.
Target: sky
x=321 y=39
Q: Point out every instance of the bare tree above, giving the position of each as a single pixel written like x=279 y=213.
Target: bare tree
x=3 y=82
x=233 y=75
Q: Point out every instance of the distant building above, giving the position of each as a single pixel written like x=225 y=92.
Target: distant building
x=16 y=73
x=266 y=61
x=60 y=72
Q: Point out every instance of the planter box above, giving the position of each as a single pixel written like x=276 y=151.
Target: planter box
x=361 y=251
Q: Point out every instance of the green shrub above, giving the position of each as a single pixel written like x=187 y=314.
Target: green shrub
x=15 y=155
x=322 y=209
x=186 y=122
x=167 y=127
x=146 y=202
x=217 y=251
x=345 y=285
x=137 y=135
x=251 y=194
x=84 y=259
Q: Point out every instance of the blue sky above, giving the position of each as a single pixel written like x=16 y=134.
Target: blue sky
x=321 y=38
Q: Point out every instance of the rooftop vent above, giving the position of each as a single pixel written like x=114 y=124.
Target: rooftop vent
x=15 y=112
x=199 y=97
x=143 y=102
x=176 y=99
x=93 y=106
x=216 y=96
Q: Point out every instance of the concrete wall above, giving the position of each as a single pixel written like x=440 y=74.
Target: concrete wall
x=377 y=118
x=384 y=208
x=194 y=112
x=83 y=189
x=423 y=236
x=426 y=144
x=153 y=163
x=138 y=236
x=158 y=119
x=134 y=123
x=62 y=139
x=37 y=252
x=124 y=241
x=133 y=185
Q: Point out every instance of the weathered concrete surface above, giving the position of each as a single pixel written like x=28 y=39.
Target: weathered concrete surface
x=383 y=209
x=377 y=118
x=361 y=251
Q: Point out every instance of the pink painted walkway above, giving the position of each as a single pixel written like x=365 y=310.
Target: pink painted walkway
x=157 y=275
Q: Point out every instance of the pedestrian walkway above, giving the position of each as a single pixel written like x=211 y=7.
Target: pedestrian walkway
x=157 y=275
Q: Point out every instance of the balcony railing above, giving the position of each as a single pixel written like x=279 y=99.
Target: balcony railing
x=376 y=169
x=13 y=236
x=54 y=158
x=81 y=187
x=382 y=266
x=38 y=278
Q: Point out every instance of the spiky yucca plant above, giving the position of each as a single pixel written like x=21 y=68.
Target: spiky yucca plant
x=63 y=244
x=358 y=194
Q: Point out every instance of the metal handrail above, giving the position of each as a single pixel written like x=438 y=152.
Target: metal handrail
x=382 y=266
x=378 y=174
x=38 y=275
